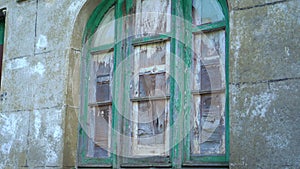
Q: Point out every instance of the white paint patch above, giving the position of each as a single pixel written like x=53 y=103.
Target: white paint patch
x=287 y=51
x=259 y=105
x=277 y=141
x=75 y=5
x=42 y=42
x=8 y=125
x=57 y=132
x=37 y=123
x=5 y=148
x=17 y=64
x=236 y=48
x=39 y=68
x=52 y=157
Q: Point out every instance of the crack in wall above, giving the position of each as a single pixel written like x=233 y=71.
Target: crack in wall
x=35 y=26
x=264 y=81
x=259 y=5
x=42 y=108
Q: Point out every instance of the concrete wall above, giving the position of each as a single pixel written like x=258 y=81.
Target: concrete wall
x=40 y=83
x=264 y=84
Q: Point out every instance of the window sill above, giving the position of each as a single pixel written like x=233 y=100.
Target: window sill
x=96 y=166
x=206 y=165
x=146 y=165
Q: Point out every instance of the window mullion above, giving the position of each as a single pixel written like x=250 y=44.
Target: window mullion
x=117 y=83
x=188 y=45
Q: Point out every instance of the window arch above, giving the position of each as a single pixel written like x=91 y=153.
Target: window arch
x=155 y=84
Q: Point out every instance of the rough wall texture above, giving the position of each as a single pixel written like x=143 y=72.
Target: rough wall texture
x=264 y=84
x=41 y=76
x=37 y=64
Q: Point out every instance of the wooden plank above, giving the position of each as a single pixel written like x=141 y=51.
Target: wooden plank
x=153 y=69
x=152 y=54
x=152 y=122
x=103 y=103
x=150 y=40
x=213 y=46
x=152 y=85
x=103 y=92
x=90 y=130
x=149 y=98
x=152 y=17
x=209 y=61
x=150 y=150
x=103 y=63
x=137 y=53
x=99 y=131
x=201 y=92
x=208 y=131
x=196 y=126
x=102 y=115
x=211 y=78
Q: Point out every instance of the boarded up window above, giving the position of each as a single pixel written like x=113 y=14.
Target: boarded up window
x=100 y=68
x=100 y=84
x=150 y=100
x=152 y=17
x=208 y=117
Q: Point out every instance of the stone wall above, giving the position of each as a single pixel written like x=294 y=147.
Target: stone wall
x=40 y=83
x=264 y=84
x=40 y=56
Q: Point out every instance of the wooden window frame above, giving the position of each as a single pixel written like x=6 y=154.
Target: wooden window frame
x=91 y=28
x=177 y=153
x=219 y=160
x=2 y=32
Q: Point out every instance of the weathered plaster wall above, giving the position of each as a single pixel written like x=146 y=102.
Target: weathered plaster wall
x=264 y=84
x=41 y=83
x=39 y=74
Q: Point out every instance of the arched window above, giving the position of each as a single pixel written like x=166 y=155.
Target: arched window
x=154 y=91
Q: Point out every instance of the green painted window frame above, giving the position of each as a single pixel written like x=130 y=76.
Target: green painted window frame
x=2 y=34
x=91 y=27
x=2 y=30
x=220 y=160
x=178 y=157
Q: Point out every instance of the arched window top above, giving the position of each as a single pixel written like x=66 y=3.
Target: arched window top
x=206 y=11
x=99 y=15
x=105 y=32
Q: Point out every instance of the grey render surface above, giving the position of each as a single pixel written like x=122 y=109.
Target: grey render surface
x=41 y=75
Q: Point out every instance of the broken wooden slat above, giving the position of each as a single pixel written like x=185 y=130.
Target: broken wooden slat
x=150 y=105
x=152 y=17
x=152 y=85
x=208 y=131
